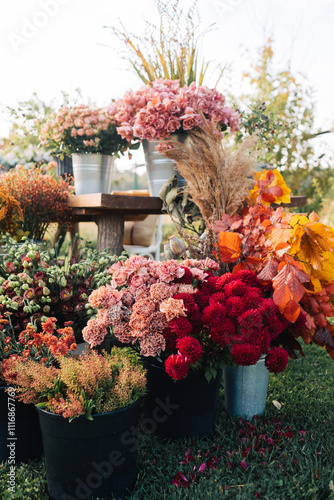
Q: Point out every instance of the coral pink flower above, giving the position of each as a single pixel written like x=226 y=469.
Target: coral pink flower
x=173 y=308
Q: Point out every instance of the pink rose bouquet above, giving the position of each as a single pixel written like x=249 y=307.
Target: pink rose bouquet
x=160 y=108
x=184 y=315
x=83 y=130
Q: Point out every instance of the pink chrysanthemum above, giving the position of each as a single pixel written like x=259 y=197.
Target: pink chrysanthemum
x=234 y=288
x=180 y=326
x=235 y=306
x=160 y=292
x=223 y=333
x=214 y=313
x=173 y=308
x=276 y=360
x=245 y=354
x=176 y=367
x=190 y=349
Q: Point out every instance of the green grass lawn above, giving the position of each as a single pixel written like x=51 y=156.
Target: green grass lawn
x=286 y=454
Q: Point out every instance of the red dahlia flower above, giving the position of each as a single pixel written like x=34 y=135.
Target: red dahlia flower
x=223 y=333
x=235 y=306
x=209 y=286
x=236 y=287
x=180 y=326
x=248 y=277
x=190 y=348
x=214 y=313
x=224 y=280
x=245 y=354
x=276 y=360
x=176 y=367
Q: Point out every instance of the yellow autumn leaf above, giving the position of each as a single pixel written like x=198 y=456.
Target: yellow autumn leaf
x=323 y=235
x=298 y=219
x=326 y=275
x=279 y=181
x=279 y=235
x=317 y=286
x=298 y=233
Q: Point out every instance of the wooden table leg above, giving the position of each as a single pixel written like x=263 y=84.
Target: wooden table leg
x=110 y=233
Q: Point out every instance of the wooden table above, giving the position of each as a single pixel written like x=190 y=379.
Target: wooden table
x=109 y=211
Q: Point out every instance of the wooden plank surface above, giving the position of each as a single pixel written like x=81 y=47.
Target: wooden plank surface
x=296 y=201
x=116 y=204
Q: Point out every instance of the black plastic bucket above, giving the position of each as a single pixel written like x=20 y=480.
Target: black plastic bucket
x=91 y=459
x=20 y=434
x=184 y=408
x=65 y=166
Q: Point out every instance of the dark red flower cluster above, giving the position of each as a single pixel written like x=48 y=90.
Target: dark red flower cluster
x=230 y=311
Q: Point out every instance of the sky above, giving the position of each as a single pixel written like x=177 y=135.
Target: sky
x=50 y=46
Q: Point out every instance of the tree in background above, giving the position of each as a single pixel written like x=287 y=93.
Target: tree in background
x=281 y=109
x=22 y=145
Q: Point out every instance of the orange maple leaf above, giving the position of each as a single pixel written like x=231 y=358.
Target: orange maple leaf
x=229 y=246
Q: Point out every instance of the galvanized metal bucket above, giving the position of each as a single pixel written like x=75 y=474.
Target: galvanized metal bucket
x=92 y=173
x=246 y=389
x=159 y=168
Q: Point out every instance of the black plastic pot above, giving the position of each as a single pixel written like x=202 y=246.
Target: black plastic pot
x=20 y=434
x=184 y=408
x=91 y=459
x=64 y=167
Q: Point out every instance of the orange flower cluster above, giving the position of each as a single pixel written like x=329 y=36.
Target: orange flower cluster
x=42 y=198
x=57 y=344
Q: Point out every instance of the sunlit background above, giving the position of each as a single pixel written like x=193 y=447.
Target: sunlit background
x=50 y=46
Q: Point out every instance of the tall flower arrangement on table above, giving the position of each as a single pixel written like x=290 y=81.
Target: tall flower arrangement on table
x=186 y=316
x=291 y=254
x=82 y=129
x=163 y=107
